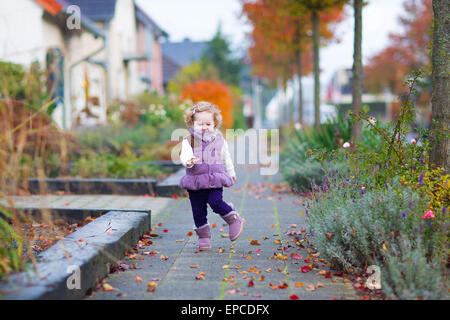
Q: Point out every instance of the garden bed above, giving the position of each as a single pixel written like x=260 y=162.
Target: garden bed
x=86 y=253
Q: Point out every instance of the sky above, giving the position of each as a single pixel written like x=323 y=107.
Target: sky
x=198 y=20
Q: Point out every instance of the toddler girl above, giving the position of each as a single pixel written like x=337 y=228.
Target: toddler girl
x=209 y=168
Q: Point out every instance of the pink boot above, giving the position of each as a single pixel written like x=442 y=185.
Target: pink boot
x=235 y=224
x=204 y=237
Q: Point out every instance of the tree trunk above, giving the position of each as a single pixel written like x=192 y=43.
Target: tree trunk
x=299 y=73
x=357 y=85
x=315 y=23
x=440 y=110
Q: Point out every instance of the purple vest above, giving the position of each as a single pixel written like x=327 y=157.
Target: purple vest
x=209 y=172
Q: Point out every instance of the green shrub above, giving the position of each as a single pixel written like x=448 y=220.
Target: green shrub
x=408 y=274
x=11 y=246
x=107 y=165
x=354 y=227
x=312 y=154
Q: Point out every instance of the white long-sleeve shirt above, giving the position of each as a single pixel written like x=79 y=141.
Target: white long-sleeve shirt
x=187 y=153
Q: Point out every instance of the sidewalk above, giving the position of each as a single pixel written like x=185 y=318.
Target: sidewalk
x=258 y=266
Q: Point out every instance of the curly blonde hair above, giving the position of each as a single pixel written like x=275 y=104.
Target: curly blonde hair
x=189 y=114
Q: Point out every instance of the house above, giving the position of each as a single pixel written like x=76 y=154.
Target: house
x=339 y=94
x=132 y=56
x=148 y=41
x=176 y=55
x=112 y=54
x=36 y=30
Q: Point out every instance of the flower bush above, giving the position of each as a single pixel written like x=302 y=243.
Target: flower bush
x=389 y=209
x=307 y=159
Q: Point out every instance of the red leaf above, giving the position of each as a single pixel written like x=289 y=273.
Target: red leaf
x=250 y=283
x=294 y=297
x=306 y=269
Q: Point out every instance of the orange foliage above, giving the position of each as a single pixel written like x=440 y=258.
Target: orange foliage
x=407 y=50
x=214 y=92
x=280 y=29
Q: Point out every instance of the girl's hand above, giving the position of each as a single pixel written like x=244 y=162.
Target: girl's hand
x=192 y=161
x=233 y=178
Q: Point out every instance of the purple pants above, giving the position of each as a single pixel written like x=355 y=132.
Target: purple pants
x=199 y=199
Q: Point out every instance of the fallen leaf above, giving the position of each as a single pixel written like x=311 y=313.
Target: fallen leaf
x=250 y=283
x=255 y=243
x=299 y=284
x=225 y=266
x=152 y=284
x=194 y=266
x=329 y=235
x=189 y=234
x=310 y=287
x=107 y=287
x=179 y=240
x=214 y=225
x=283 y=286
x=294 y=297
x=306 y=269
x=138 y=279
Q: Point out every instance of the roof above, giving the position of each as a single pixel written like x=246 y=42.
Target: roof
x=149 y=22
x=185 y=52
x=170 y=68
x=97 y=10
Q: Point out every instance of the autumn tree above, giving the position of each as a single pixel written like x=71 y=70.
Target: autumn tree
x=280 y=46
x=440 y=153
x=407 y=51
x=198 y=70
x=215 y=92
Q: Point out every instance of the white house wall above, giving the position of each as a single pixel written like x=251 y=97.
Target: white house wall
x=122 y=42
x=25 y=37
x=21 y=34
x=82 y=46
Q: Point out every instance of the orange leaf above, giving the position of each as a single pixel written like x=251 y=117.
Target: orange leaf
x=107 y=287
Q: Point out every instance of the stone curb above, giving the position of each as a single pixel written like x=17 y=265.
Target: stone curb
x=95 y=186
x=169 y=186
x=165 y=188
x=71 y=215
x=89 y=251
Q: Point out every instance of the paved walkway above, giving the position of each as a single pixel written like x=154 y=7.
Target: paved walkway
x=264 y=263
